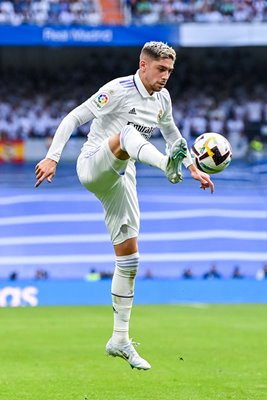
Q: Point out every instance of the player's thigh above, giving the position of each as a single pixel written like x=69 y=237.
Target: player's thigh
x=99 y=170
x=120 y=203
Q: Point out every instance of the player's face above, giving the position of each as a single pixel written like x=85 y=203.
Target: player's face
x=155 y=73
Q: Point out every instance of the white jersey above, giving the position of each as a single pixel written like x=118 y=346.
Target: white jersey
x=122 y=101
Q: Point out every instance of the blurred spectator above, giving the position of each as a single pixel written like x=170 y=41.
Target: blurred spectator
x=262 y=273
x=41 y=275
x=188 y=274
x=212 y=273
x=256 y=150
x=239 y=143
x=237 y=273
x=148 y=274
x=106 y=275
x=13 y=276
x=93 y=276
x=235 y=123
x=199 y=124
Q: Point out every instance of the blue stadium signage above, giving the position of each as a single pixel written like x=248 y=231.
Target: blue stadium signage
x=77 y=35
x=155 y=291
x=29 y=35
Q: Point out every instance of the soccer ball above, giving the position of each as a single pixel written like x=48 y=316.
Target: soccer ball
x=211 y=152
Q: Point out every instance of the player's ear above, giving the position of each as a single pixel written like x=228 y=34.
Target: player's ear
x=142 y=65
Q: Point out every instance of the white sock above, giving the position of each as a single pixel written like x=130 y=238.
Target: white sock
x=122 y=290
x=140 y=149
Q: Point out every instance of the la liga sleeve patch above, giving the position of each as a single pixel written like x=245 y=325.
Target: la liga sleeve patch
x=100 y=100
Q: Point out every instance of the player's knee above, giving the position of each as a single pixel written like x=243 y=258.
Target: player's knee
x=114 y=143
x=125 y=131
x=128 y=265
x=126 y=241
x=115 y=147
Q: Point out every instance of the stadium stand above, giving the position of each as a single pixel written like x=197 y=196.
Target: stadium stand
x=32 y=104
x=177 y=11
x=65 y=12
x=112 y=12
x=142 y=12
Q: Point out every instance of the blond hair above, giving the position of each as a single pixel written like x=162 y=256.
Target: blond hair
x=158 y=50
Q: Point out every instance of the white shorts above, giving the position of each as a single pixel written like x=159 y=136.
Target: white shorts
x=113 y=182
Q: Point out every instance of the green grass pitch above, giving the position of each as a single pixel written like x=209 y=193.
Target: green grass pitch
x=197 y=353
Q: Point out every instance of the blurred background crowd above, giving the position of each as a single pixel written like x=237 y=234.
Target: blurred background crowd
x=40 y=12
x=165 y=11
x=143 y=12
x=222 y=92
x=94 y=275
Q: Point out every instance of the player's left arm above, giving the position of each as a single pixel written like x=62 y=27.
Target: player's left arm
x=167 y=126
x=171 y=133
x=202 y=177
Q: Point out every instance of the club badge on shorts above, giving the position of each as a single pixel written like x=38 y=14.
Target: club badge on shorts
x=101 y=100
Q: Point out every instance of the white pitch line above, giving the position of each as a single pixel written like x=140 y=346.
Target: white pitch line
x=54 y=239
x=45 y=218
x=147 y=215
x=143 y=237
x=146 y=257
x=200 y=200
x=157 y=198
x=51 y=198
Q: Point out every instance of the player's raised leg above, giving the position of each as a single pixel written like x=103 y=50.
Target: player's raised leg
x=131 y=143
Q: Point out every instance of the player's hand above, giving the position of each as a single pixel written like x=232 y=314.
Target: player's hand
x=202 y=177
x=45 y=169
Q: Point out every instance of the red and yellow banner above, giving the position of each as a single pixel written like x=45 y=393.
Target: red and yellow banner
x=11 y=151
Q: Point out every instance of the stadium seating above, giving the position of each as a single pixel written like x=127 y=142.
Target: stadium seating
x=142 y=12
x=199 y=105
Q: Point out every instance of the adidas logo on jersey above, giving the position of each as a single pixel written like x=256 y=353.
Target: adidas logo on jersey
x=132 y=111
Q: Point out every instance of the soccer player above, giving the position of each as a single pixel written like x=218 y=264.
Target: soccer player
x=125 y=112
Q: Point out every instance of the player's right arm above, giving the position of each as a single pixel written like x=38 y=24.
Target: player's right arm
x=46 y=168
x=107 y=100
